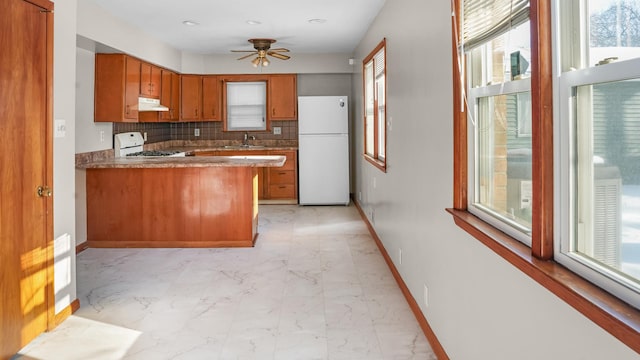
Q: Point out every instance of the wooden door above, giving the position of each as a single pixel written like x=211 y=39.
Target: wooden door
x=26 y=244
x=191 y=98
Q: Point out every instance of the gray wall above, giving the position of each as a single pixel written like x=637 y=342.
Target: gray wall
x=480 y=306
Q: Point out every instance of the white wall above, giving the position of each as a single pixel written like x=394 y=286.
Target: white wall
x=480 y=307
x=90 y=136
x=96 y=24
x=64 y=74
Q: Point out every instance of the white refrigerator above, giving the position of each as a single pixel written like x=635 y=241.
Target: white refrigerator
x=323 y=150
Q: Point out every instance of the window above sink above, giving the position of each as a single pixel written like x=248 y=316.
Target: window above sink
x=246 y=105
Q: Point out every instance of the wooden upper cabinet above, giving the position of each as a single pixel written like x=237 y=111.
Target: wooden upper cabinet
x=170 y=96
x=211 y=98
x=117 y=87
x=191 y=98
x=150 y=77
x=283 y=97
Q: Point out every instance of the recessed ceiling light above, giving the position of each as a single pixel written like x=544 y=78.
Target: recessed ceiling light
x=317 y=21
x=190 y=23
x=253 y=22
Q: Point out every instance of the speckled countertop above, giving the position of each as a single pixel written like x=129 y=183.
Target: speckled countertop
x=104 y=159
x=187 y=161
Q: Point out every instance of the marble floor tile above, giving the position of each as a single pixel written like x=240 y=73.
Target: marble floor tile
x=315 y=286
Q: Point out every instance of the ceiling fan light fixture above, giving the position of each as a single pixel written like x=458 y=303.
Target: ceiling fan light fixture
x=262 y=52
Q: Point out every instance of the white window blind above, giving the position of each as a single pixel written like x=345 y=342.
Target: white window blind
x=379 y=61
x=486 y=19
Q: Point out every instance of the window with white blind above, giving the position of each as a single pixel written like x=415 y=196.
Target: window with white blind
x=375 y=119
x=496 y=49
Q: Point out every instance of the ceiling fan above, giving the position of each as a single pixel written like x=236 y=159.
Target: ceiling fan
x=262 y=49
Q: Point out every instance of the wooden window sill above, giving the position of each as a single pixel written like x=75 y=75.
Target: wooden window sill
x=612 y=314
x=382 y=165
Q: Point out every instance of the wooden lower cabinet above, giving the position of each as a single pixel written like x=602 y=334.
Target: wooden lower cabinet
x=172 y=207
x=275 y=185
x=282 y=182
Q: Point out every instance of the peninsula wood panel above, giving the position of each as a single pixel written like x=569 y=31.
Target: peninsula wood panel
x=165 y=196
x=26 y=227
x=172 y=207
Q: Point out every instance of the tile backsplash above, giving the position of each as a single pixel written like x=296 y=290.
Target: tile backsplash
x=210 y=130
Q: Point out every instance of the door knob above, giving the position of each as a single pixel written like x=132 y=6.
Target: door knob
x=44 y=191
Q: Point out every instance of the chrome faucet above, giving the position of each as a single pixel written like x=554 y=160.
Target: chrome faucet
x=246 y=138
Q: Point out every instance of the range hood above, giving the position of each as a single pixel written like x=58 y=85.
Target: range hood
x=147 y=104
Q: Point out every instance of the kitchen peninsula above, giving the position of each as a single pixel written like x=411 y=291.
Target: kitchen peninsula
x=193 y=201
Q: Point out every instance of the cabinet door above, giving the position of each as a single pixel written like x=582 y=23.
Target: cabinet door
x=150 y=80
x=211 y=98
x=174 y=107
x=283 y=97
x=132 y=88
x=191 y=98
x=169 y=95
x=117 y=86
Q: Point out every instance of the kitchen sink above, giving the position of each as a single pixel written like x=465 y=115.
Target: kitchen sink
x=244 y=147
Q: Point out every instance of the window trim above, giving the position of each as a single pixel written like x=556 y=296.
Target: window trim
x=607 y=311
x=380 y=163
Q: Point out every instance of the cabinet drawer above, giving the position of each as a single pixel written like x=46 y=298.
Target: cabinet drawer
x=282 y=191
x=277 y=176
x=290 y=163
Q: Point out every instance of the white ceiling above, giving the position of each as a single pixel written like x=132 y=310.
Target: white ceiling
x=223 y=23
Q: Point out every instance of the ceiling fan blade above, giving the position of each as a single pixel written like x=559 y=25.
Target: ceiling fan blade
x=278 y=55
x=246 y=56
x=243 y=51
x=280 y=50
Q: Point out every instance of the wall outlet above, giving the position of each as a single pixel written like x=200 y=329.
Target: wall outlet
x=400 y=256
x=374 y=182
x=360 y=195
x=196 y=132
x=101 y=136
x=426 y=296
x=144 y=136
x=277 y=130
